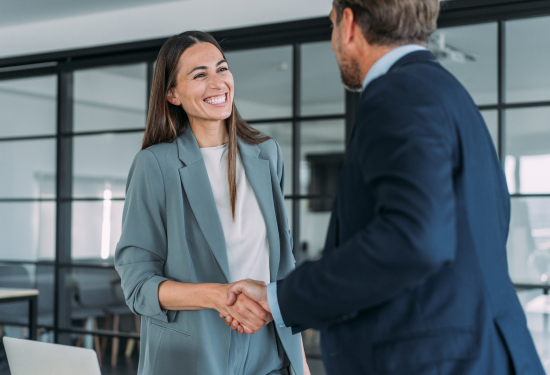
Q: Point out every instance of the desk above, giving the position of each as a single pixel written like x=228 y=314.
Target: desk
x=31 y=295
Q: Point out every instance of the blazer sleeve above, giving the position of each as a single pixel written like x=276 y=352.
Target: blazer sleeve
x=141 y=252
x=405 y=161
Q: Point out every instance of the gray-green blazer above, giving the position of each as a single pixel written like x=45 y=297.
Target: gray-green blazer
x=171 y=231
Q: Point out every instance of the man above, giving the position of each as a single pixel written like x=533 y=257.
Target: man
x=414 y=278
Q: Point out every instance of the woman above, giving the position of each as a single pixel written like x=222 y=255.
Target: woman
x=204 y=208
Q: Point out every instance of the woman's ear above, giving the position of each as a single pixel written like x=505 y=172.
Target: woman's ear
x=172 y=98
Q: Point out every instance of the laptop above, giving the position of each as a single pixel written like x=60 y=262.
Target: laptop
x=27 y=357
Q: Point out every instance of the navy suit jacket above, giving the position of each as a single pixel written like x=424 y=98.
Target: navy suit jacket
x=414 y=277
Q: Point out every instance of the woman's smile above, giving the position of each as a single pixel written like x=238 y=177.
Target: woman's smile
x=217 y=100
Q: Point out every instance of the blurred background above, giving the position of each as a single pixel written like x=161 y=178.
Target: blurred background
x=74 y=85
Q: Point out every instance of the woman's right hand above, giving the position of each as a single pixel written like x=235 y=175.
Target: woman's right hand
x=245 y=315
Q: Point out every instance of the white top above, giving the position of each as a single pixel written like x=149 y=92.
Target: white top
x=246 y=236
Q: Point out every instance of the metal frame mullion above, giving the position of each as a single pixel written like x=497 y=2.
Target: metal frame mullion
x=27 y=138
x=296 y=146
x=64 y=181
x=26 y=200
x=530 y=195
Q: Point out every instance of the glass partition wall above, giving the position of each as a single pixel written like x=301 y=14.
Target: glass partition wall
x=68 y=158
x=69 y=132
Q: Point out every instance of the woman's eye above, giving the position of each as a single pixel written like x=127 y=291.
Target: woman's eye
x=199 y=75
x=223 y=69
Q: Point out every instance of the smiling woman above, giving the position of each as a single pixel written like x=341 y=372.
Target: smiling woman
x=193 y=88
x=204 y=208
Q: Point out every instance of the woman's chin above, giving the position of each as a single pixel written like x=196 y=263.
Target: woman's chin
x=219 y=116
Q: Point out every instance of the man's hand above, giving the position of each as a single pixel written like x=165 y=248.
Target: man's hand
x=254 y=290
x=244 y=304
x=248 y=315
x=247 y=290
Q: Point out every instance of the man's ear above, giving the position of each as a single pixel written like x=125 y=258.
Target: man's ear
x=349 y=27
x=172 y=98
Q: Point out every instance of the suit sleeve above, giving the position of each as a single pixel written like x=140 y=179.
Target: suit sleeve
x=141 y=251
x=404 y=160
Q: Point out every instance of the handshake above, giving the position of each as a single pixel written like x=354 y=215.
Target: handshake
x=246 y=309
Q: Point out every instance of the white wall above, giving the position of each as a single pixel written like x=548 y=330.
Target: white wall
x=153 y=21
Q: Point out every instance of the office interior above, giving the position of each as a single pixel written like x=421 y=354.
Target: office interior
x=71 y=121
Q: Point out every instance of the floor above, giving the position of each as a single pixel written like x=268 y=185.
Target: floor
x=129 y=367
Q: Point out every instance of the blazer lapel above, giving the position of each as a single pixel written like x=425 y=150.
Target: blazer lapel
x=259 y=176
x=196 y=184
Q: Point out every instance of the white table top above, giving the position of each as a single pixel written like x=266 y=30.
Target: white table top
x=16 y=292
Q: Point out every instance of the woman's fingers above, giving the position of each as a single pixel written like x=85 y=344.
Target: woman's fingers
x=235 y=324
x=228 y=320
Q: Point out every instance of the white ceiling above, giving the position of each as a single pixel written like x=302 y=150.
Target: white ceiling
x=15 y=12
x=27 y=26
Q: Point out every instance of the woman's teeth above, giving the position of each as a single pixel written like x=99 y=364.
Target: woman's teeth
x=217 y=100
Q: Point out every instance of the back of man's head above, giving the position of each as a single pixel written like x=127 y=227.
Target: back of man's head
x=392 y=22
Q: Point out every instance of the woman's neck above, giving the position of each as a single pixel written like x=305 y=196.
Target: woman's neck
x=209 y=133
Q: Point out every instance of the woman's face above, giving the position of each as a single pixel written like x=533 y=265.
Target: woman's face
x=204 y=84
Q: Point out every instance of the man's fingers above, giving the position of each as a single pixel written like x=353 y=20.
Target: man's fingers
x=256 y=282
x=245 y=312
x=256 y=309
x=252 y=288
x=246 y=317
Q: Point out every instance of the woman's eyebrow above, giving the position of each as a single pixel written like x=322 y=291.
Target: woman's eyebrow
x=205 y=67
x=197 y=68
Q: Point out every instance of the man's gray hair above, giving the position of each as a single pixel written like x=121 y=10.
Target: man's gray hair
x=392 y=22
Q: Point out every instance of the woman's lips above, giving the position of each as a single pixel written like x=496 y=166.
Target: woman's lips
x=217 y=100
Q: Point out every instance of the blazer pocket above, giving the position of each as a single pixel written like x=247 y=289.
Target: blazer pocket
x=417 y=351
x=169 y=328
x=176 y=352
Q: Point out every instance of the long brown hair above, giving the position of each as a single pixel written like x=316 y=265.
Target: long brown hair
x=166 y=122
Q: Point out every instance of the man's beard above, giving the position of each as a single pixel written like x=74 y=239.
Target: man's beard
x=351 y=74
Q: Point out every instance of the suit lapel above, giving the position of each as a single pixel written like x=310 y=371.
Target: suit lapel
x=259 y=176
x=196 y=184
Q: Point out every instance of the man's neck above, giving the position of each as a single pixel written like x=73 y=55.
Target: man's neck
x=369 y=57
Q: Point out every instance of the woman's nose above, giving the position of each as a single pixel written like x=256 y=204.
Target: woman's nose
x=216 y=82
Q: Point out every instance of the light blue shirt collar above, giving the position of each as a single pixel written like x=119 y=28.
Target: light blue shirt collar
x=383 y=65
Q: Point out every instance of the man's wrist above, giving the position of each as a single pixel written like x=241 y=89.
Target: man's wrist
x=273 y=302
